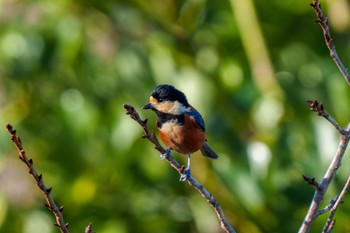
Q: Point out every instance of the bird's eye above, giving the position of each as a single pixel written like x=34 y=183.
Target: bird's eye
x=160 y=100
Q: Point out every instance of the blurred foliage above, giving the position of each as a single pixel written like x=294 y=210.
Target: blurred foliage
x=248 y=66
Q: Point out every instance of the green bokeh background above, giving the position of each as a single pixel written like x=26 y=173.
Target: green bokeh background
x=67 y=68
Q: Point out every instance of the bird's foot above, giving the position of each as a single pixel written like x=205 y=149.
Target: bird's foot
x=185 y=174
x=166 y=154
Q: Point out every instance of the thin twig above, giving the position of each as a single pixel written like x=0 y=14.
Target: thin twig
x=328 y=207
x=323 y=22
x=320 y=111
x=50 y=204
x=312 y=181
x=330 y=222
x=130 y=110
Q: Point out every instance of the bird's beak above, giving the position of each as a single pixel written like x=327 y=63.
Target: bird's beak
x=147 y=106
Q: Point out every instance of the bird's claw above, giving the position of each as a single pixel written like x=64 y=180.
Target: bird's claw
x=166 y=154
x=186 y=173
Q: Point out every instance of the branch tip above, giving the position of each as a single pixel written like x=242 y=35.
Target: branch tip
x=312 y=181
x=323 y=22
x=88 y=229
x=316 y=107
x=9 y=128
x=129 y=108
x=319 y=109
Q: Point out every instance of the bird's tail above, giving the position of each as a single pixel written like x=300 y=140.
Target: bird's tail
x=207 y=151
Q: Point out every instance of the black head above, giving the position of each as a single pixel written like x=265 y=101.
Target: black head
x=167 y=99
x=167 y=92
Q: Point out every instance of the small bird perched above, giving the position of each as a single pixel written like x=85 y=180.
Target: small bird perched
x=180 y=126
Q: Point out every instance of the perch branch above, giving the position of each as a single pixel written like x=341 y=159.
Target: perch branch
x=323 y=22
x=330 y=222
x=50 y=204
x=130 y=110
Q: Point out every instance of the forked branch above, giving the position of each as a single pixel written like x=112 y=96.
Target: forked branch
x=322 y=187
x=330 y=222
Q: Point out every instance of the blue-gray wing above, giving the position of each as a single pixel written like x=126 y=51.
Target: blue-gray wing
x=197 y=117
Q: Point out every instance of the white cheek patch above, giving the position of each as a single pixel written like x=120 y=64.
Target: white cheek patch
x=171 y=107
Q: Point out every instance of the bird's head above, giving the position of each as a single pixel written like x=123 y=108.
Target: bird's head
x=167 y=99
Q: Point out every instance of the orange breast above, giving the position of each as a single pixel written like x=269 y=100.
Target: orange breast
x=185 y=139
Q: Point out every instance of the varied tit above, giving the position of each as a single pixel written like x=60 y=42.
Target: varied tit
x=180 y=126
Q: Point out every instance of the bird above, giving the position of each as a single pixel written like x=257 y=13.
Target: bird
x=181 y=127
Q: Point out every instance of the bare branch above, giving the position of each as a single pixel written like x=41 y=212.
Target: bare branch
x=313 y=211
x=50 y=204
x=130 y=110
x=330 y=222
x=323 y=22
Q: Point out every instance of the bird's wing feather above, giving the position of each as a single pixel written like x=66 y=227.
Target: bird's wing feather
x=192 y=112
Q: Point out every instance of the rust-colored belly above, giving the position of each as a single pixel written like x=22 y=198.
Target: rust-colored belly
x=185 y=139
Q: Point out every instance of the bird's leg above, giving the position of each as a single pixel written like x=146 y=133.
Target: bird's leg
x=187 y=171
x=166 y=154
